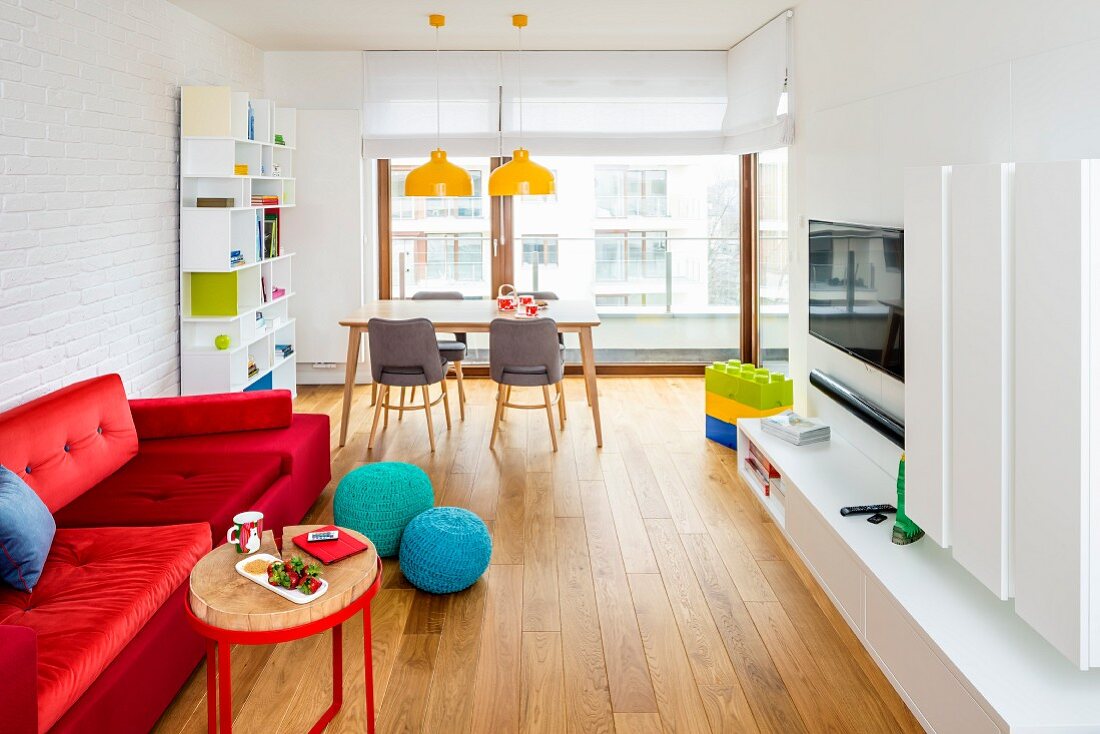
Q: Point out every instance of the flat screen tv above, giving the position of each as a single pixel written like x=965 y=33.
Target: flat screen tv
x=857 y=295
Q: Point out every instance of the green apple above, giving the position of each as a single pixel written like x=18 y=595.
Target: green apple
x=221 y=341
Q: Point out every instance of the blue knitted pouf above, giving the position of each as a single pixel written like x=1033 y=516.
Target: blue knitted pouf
x=379 y=500
x=445 y=549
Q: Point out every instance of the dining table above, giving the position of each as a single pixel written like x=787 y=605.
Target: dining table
x=472 y=316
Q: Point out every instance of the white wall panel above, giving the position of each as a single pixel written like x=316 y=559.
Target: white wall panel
x=326 y=231
x=980 y=342
x=927 y=351
x=1052 y=401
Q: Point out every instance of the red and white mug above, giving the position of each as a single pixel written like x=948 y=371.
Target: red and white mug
x=248 y=527
x=530 y=309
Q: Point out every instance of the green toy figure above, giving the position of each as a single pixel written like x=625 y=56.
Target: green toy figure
x=905 y=530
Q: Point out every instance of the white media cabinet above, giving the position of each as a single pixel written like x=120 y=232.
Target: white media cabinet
x=962 y=660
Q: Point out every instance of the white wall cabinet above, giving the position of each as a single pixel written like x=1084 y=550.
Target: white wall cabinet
x=927 y=351
x=1009 y=252
x=1057 y=528
x=980 y=372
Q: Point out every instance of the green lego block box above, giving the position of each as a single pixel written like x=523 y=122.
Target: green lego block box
x=749 y=385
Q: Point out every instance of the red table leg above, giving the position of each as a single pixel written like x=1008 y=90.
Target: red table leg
x=225 y=684
x=211 y=687
x=337 y=681
x=368 y=668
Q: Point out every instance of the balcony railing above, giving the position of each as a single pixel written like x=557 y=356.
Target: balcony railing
x=670 y=275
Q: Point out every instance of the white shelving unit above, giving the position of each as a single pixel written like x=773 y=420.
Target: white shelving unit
x=247 y=300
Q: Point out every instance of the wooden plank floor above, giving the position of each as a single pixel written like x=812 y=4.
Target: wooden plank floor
x=637 y=588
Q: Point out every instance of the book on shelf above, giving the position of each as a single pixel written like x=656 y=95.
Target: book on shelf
x=215 y=202
x=253 y=370
x=277 y=293
x=279 y=139
x=240 y=169
x=794 y=429
x=251 y=122
x=285 y=349
x=271 y=235
x=265 y=200
x=761 y=474
x=236 y=258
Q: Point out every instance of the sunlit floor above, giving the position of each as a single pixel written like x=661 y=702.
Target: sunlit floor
x=634 y=588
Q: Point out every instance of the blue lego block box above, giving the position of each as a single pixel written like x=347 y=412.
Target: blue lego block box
x=721 y=432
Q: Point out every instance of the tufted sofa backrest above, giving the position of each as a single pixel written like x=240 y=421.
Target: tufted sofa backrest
x=65 y=443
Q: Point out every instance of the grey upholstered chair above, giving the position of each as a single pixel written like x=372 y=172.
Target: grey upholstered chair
x=453 y=350
x=404 y=353
x=526 y=353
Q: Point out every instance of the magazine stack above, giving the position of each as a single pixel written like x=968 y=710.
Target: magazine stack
x=793 y=428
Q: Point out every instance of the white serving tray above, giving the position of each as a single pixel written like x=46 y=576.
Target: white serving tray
x=292 y=594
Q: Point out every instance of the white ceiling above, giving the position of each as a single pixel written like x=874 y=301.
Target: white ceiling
x=331 y=25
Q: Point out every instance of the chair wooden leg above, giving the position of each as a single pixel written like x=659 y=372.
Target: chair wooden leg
x=379 y=401
x=428 y=413
x=461 y=391
x=550 y=416
x=401 y=413
x=384 y=396
x=373 y=393
x=507 y=398
x=561 y=403
x=497 y=416
x=446 y=403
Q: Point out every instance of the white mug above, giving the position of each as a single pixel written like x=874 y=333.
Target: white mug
x=248 y=527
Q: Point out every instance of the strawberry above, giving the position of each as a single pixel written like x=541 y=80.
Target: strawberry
x=314 y=570
x=309 y=585
x=294 y=577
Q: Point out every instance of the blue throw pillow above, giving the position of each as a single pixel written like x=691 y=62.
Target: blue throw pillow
x=26 y=532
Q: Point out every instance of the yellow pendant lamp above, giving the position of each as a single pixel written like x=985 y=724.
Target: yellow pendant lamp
x=521 y=176
x=438 y=177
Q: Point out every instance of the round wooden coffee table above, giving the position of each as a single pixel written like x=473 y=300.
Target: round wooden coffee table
x=227 y=609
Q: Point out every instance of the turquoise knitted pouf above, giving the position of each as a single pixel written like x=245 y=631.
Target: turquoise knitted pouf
x=380 y=499
x=445 y=549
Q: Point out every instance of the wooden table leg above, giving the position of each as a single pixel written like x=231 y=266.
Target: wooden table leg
x=368 y=668
x=355 y=335
x=212 y=687
x=588 y=362
x=225 y=685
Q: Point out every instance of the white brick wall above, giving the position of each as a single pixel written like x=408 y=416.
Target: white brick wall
x=89 y=202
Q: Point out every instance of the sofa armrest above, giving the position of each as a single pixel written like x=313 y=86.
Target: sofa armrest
x=19 y=661
x=205 y=414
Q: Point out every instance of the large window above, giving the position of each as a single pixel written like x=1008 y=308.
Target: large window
x=676 y=249
x=623 y=192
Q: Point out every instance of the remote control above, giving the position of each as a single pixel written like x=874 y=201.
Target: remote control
x=319 y=535
x=876 y=518
x=866 y=509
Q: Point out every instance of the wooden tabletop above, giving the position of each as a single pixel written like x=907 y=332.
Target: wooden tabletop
x=223 y=598
x=470 y=315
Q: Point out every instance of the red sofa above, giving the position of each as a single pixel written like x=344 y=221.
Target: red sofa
x=140 y=490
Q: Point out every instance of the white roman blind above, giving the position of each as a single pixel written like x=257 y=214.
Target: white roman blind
x=583 y=102
x=758 y=115
x=399 y=107
x=615 y=102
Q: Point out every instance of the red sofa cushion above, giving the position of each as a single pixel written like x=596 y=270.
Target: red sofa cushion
x=166 y=488
x=64 y=443
x=205 y=414
x=99 y=588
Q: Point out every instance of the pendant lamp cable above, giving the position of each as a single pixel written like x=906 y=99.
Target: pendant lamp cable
x=519 y=74
x=438 y=134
